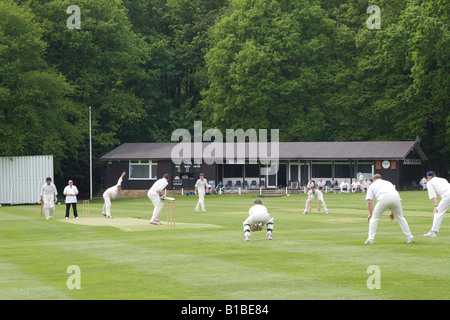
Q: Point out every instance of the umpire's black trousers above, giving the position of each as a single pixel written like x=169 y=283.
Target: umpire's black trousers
x=74 y=206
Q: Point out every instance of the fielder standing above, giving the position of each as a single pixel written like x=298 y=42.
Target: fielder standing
x=155 y=195
x=313 y=194
x=437 y=187
x=111 y=193
x=200 y=189
x=387 y=199
x=49 y=195
x=258 y=216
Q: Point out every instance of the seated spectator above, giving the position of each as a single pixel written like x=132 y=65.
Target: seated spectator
x=356 y=185
x=309 y=185
x=365 y=185
x=344 y=186
x=321 y=185
x=219 y=188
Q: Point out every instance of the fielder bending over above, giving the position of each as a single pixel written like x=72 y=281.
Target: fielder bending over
x=312 y=195
x=155 y=195
x=387 y=199
x=109 y=194
x=49 y=196
x=258 y=217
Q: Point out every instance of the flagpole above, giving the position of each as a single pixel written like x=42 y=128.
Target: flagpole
x=90 y=153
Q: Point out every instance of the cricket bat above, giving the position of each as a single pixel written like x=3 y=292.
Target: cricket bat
x=168 y=198
x=42 y=207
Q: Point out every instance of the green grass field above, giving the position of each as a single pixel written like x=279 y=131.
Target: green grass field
x=314 y=256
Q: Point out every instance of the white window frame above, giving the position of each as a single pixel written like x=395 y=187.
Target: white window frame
x=149 y=163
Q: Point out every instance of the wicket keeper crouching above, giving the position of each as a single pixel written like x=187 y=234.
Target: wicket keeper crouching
x=258 y=216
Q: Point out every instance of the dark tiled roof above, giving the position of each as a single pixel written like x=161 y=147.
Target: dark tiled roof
x=373 y=150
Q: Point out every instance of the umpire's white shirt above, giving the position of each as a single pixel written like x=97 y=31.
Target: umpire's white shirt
x=438 y=187
x=381 y=187
x=71 y=190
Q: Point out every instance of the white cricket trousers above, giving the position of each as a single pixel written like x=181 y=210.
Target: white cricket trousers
x=444 y=204
x=106 y=211
x=388 y=202
x=201 y=200
x=258 y=218
x=49 y=206
x=324 y=206
x=158 y=204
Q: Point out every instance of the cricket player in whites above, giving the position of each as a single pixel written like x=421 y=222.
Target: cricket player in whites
x=437 y=187
x=200 y=189
x=155 y=195
x=111 y=193
x=313 y=194
x=258 y=217
x=49 y=196
x=387 y=199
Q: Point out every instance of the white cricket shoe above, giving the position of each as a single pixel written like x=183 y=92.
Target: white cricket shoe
x=431 y=234
x=269 y=236
x=305 y=212
x=409 y=240
x=369 y=241
x=247 y=238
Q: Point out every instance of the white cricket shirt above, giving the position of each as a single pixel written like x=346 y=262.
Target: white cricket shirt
x=380 y=187
x=258 y=209
x=313 y=195
x=201 y=185
x=113 y=191
x=438 y=187
x=49 y=190
x=344 y=185
x=159 y=185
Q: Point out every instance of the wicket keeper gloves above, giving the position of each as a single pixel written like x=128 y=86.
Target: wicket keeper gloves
x=257 y=227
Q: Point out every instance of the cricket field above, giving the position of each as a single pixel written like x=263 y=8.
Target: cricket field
x=204 y=257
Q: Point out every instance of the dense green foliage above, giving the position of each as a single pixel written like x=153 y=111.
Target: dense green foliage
x=311 y=68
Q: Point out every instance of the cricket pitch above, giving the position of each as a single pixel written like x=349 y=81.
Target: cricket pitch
x=133 y=224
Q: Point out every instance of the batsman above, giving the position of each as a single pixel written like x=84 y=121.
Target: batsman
x=258 y=217
x=49 y=195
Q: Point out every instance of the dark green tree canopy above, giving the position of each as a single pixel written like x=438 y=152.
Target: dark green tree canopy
x=310 y=68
